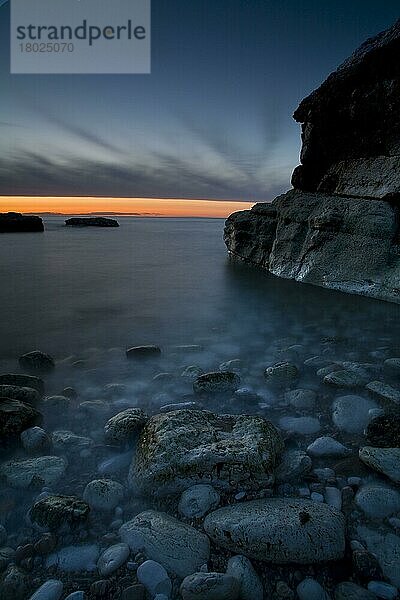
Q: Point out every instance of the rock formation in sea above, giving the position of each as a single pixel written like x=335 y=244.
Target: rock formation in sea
x=91 y=222
x=13 y=222
x=339 y=227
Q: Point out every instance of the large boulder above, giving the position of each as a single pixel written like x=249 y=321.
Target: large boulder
x=178 y=449
x=15 y=417
x=13 y=222
x=20 y=380
x=279 y=530
x=178 y=547
x=338 y=227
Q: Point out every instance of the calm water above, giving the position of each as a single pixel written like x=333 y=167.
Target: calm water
x=164 y=281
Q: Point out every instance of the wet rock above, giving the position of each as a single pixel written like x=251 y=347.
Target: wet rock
x=14 y=584
x=112 y=559
x=351 y=591
x=15 y=417
x=241 y=569
x=50 y=590
x=210 y=586
x=141 y=352
x=301 y=399
x=198 y=500
x=217 y=382
x=181 y=549
x=154 y=578
x=300 y=425
x=279 y=530
x=385 y=546
x=24 y=394
x=124 y=426
x=384 y=431
x=55 y=511
x=383 y=590
x=74 y=558
x=377 y=501
x=37 y=472
x=351 y=413
x=295 y=464
x=281 y=374
x=366 y=566
x=19 y=380
x=179 y=449
x=327 y=446
x=310 y=589
x=57 y=404
x=65 y=441
x=192 y=372
x=45 y=544
x=95 y=408
x=384 y=392
x=103 y=494
x=37 y=362
x=383 y=460
x=344 y=379
x=101 y=589
x=35 y=440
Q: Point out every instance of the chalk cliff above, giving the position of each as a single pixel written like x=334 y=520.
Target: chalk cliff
x=339 y=227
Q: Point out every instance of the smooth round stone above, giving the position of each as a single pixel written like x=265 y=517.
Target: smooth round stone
x=300 y=425
x=36 y=361
x=43 y=470
x=23 y=394
x=216 y=382
x=25 y=381
x=250 y=584
x=94 y=407
x=281 y=373
x=351 y=413
x=351 y=591
x=310 y=589
x=103 y=494
x=294 y=464
x=198 y=500
x=385 y=546
x=344 y=379
x=383 y=460
x=35 y=440
x=50 y=590
x=124 y=426
x=301 y=399
x=74 y=558
x=383 y=590
x=112 y=559
x=210 y=586
x=279 y=530
x=154 y=578
x=327 y=446
x=378 y=502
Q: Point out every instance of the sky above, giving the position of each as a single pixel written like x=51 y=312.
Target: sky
x=213 y=120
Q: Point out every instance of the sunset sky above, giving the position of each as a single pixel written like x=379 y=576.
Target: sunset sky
x=212 y=121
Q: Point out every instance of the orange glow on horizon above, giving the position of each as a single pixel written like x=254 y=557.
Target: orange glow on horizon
x=160 y=207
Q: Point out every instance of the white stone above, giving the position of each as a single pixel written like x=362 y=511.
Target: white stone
x=250 y=584
x=383 y=590
x=154 y=578
x=181 y=549
x=383 y=460
x=279 y=530
x=210 y=586
x=113 y=558
x=74 y=558
x=43 y=470
x=327 y=446
x=351 y=413
x=378 y=501
x=103 y=494
x=198 y=500
x=50 y=590
x=300 y=425
x=310 y=589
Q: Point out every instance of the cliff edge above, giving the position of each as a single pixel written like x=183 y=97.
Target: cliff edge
x=339 y=227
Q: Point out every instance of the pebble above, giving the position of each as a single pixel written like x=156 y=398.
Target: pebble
x=327 y=446
x=210 y=586
x=103 y=494
x=383 y=590
x=250 y=584
x=112 y=559
x=198 y=500
x=154 y=578
x=50 y=590
x=310 y=589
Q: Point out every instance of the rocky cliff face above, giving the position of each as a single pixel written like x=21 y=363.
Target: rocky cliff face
x=340 y=225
